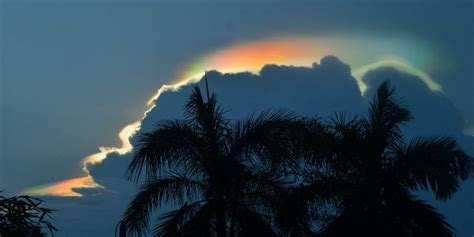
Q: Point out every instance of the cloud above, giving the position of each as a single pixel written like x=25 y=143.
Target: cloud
x=252 y=56
x=322 y=89
x=433 y=112
x=327 y=87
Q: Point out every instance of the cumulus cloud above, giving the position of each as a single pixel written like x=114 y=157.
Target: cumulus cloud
x=433 y=112
x=320 y=90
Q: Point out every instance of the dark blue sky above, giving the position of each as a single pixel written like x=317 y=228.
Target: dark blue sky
x=74 y=73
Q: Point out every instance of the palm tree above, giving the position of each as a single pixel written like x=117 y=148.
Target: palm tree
x=378 y=172
x=219 y=173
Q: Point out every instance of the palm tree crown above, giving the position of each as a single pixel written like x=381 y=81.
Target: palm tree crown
x=212 y=169
x=382 y=171
x=279 y=175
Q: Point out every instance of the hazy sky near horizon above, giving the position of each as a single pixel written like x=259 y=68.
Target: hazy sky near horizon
x=74 y=73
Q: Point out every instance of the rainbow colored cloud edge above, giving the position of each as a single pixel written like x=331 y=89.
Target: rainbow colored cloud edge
x=362 y=53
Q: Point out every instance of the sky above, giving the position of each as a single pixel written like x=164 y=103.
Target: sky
x=78 y=78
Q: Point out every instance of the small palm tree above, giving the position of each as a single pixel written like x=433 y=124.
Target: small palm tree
x=379 y=171
x=23 y=216
x=217 y=172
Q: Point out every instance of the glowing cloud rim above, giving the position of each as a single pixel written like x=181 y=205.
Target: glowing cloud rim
x=252 y=56
x=399 y=64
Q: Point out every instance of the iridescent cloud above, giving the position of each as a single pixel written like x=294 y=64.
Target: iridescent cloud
x=361 y=53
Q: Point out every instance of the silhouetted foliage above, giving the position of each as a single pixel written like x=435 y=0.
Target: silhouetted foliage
x=381 y=171
x=219 y=172
x=279 y=175
x=23 y=216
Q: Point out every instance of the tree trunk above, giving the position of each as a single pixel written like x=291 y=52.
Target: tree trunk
x=232 y=228
x=220 y=223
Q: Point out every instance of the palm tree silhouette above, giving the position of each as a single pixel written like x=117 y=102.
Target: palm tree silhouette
x=219 y=173
x=378 y=171
x=278 y=175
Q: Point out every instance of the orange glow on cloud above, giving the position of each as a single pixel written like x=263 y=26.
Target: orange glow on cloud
x=255 y=55
x=125 y=134
x=64 y=188
x=252 y=56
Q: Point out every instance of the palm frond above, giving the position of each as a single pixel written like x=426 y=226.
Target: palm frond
x=437 y=163
x=251 y=223
x=172 y=143
x=173 y=190
x=24 y=216
x=195 y=106
x=316 y=142
x=199 y=225
x=206 y=116
x=348 y=129
x=386 y=114
x=263 y=136
x=292 y=215
x=263 y=178
x=170 y=223
x=350 y=142
x=303 y=208
x=409 y=216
